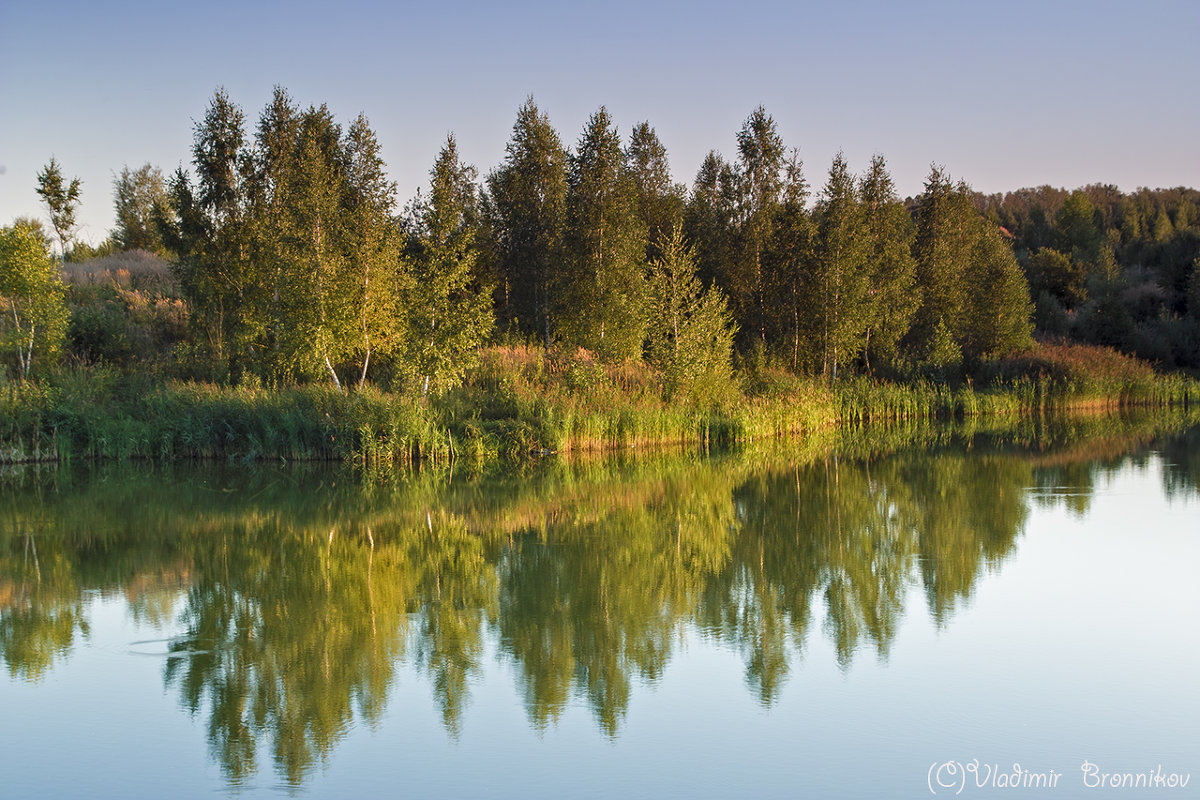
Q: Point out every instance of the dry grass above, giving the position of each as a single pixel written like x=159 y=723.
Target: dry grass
x=1080 y=375
x=132 y=269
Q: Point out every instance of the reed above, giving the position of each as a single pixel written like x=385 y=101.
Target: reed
x=528 y=402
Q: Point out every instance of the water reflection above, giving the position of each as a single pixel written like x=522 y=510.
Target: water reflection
x=292 y=598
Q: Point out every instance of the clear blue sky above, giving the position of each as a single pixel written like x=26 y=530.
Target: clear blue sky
x=1004 y=95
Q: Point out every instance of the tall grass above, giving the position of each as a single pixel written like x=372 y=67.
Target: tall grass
x=1070 y=375
x=98 y=413
x=525 y=401
x=1047 y=379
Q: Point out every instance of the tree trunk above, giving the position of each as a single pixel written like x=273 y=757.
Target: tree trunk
x=362 y=378
x=332 y=373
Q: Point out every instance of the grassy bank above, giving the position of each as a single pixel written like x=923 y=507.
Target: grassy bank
x=1048 y=379
x=520 y=402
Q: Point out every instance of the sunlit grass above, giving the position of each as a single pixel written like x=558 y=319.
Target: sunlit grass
x=522 y=402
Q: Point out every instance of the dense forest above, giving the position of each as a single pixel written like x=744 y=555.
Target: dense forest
x=1109 y=268
x=282 y=258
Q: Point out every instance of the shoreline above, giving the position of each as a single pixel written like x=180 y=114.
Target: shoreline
x=98 y=414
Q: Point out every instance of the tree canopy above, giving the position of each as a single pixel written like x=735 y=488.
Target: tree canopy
x=296 y=265
x=33 y=311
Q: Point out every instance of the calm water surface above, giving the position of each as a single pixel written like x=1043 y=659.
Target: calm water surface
x=866 y=624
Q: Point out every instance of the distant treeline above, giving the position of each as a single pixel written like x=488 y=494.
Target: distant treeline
x=1110 y=268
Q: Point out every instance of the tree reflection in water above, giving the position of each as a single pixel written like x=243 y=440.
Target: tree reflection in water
x=293 y=598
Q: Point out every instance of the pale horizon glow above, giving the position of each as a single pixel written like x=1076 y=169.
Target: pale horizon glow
x=1065 y=94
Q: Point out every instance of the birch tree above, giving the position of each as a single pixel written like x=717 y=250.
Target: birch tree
x=449 y=313
x=33 y=310
x=602 y=287
x=62 y=201
x=374 y=251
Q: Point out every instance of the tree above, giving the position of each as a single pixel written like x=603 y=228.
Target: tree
x=1062 y=277
x=287 y=248
x=760 y=172
x=975 y=300
x=659 y=200
x=62 y=200
x=708 y=218
x=374 y=247
x=36 y=227
x=33 y=310
x=320 y=283
x=1077 y=228
x=690 y=330
x=215 y=267
x=184 y=233
x=1193 y=291
x=602 y=289
x=839 y=277
x=274 y=161
x=788 y=262
x=888 y=229
x=528 y=206
x=449 y=315
x=946 y=228
x=998 y=307
x=135 y=195
x=1162 y=227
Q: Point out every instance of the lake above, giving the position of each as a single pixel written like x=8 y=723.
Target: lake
x=939 y=611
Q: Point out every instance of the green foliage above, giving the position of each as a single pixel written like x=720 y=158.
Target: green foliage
x=1049 y=317
x=1130 y=258
x=788 y=261
x=62 y=201
x=602 y=289
x=320 y=283
x=527 y=205
x=288 y=254
x=999 y=311
x=942 y=352
x=293 y=268
x=1056 y=273
x=659 y=200
x=838 y=281
x=760 y=180
x=690 y=336
x=35 y=227
x=1193 y=291
x=975 y=299
x=944 y=238
x=448 y=313
x=208 y=232
x=270 y=220
x=891 y=272
x=374 y=258
x=1077 y=227
x=138 y=196
x=708 y=218
x=33 y=311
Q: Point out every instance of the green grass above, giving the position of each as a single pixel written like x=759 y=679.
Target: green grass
x=527 y=402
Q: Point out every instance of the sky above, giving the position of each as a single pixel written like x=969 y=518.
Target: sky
x=1003 y=96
